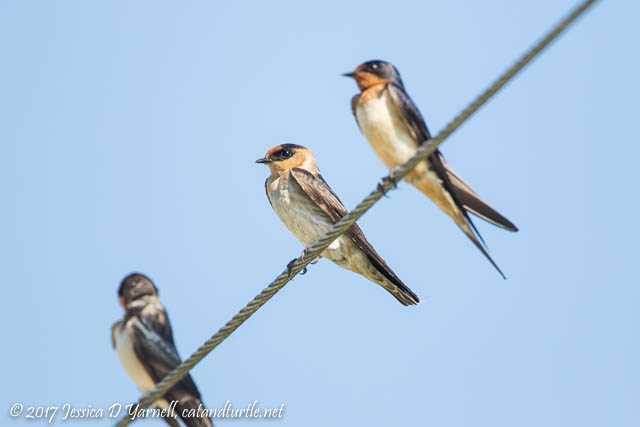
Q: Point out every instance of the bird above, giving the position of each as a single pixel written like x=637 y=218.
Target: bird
x=144 y=342
x=395 y=129
x=308 y=207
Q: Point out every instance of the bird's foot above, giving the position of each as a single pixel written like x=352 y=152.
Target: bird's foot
x=304 y=254
x=290 y=266
x=381 y=187
x=304 y=270
x=391 y=177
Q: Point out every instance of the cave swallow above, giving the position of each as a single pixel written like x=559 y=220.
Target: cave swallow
x=308 y=207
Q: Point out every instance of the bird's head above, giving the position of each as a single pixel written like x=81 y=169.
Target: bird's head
x=374 y=72
x=134 y=287
x=282 y=158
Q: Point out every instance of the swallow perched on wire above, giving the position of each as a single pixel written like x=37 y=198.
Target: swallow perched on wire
x=395 y=129
x=305 y=203
x=145 y=346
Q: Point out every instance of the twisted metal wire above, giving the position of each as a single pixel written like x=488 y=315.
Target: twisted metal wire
x=348 y=220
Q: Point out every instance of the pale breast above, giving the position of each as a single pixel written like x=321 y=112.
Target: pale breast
x=297 y=211
x=378 y=119
x=131 y=364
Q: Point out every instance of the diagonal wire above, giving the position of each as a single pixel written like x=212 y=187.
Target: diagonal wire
x=348 y=220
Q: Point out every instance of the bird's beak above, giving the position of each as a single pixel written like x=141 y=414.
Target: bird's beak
x=264 y=160
x=122 y=303
x=352 y=75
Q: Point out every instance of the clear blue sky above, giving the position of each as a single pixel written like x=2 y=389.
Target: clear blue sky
x=129 y=132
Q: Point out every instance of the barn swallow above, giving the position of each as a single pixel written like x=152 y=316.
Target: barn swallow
x=309 y=208
x=395 y=129
x=145 y=346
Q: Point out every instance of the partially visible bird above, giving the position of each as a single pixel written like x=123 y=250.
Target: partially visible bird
x=145 y=346
x=305 y=203
x=395 y=129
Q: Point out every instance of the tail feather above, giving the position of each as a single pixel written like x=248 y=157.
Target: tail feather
x=394 y=286
x=472 y=233
x=471 y=202
x=446 y=194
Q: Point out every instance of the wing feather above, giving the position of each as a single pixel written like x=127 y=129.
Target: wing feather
x=409 y=113
x=354 y=106
x=321 y=194
x=153 y=345
x=474 y=203
x=463 y=195
x=114 y=333
x=266 y=190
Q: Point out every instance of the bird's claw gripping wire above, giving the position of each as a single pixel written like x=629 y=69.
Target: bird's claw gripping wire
x=290 y=266
x=304 y=270
x=304 y=254
x=391 y=177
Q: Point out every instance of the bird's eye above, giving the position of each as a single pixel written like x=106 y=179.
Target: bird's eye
x=285 y=154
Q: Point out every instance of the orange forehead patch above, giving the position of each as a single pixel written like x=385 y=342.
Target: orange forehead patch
x=288 y=146
x=273 y=150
